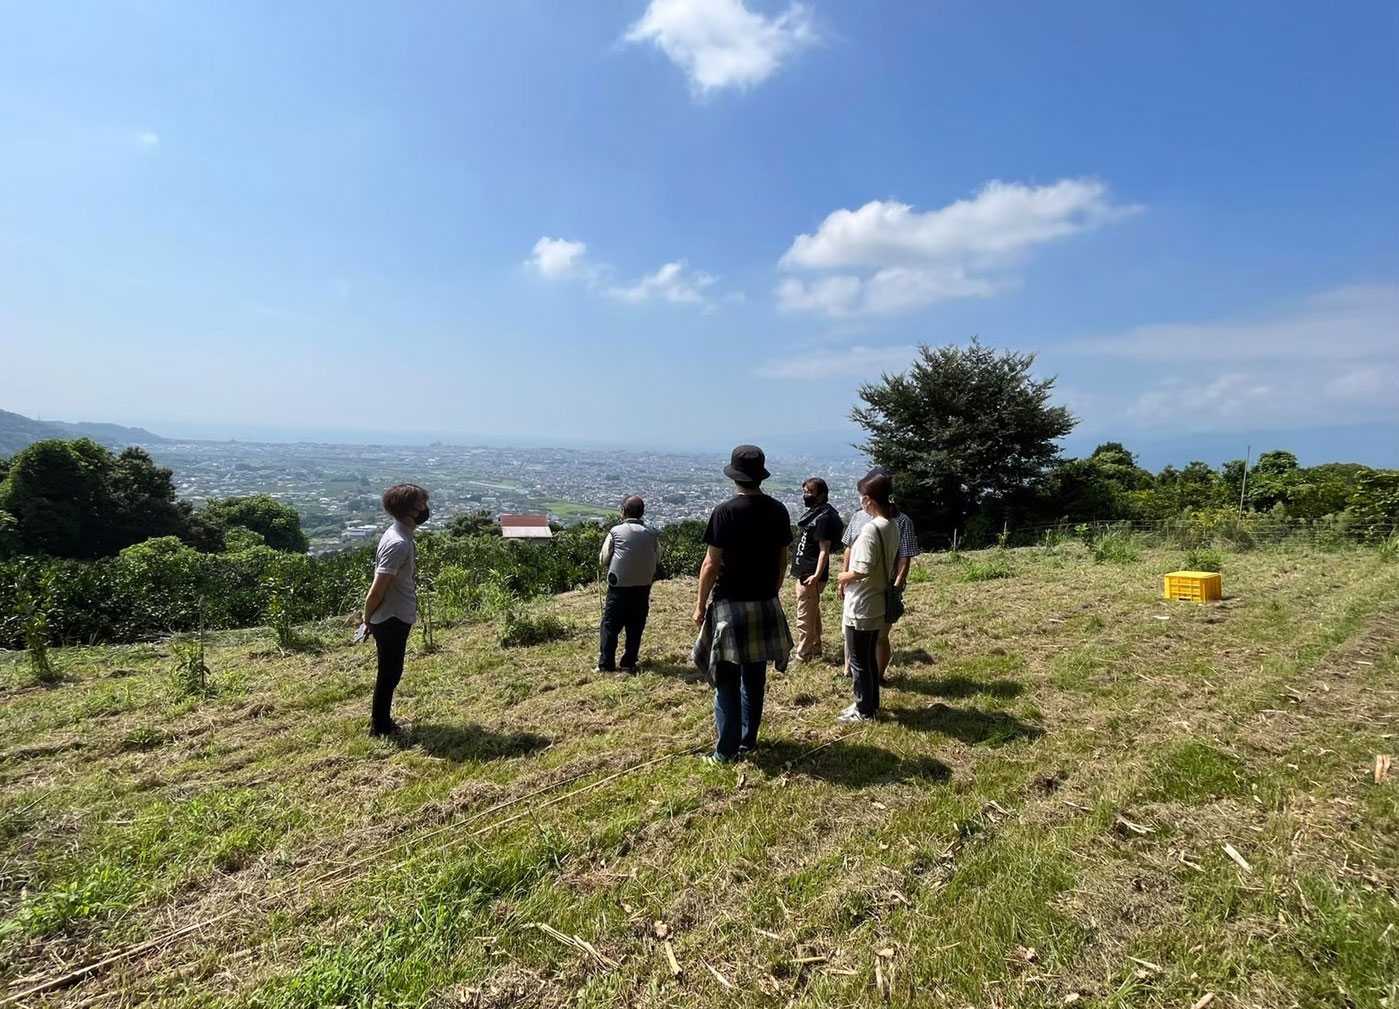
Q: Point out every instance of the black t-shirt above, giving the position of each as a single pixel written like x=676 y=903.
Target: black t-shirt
x=751 y=529
x=823 y=524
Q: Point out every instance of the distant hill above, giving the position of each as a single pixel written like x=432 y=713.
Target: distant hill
x=18 y=431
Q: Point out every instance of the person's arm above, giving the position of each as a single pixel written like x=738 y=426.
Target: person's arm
x=848 y=577
x=605 y=557
x=372 y=601
x=901 y=572
x=709 y=574
x=823 y=564
x=783 y=556
x=858 y=560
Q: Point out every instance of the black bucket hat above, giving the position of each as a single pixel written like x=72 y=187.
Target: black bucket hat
x=747 y=464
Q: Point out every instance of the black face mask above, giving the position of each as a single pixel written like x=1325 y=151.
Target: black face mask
x=810 y=500
x=422 y=516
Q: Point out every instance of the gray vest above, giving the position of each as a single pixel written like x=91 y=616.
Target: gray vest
x=635 y=551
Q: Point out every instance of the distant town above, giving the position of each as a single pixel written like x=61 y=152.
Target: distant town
x=336 y=488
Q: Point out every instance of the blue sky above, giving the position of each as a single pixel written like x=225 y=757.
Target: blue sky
x=691 y=222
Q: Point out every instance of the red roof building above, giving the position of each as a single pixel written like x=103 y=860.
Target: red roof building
x=525 y=527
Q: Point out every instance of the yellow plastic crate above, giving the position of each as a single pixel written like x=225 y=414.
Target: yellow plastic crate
x=1195 y=586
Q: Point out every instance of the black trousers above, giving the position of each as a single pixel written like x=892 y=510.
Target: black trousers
x=390 y=642
x=624 y=609
x=862 y=649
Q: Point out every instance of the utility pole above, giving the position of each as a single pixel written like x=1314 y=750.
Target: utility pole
x=1248 y=455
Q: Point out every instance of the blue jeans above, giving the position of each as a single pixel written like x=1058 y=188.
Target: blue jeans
x=738 y=705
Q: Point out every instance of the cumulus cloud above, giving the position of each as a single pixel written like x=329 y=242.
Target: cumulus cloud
x=856 y=362
x=836 y=296
x=912 y=258
x=673 y=282
x=721 y=43
x=556 y=257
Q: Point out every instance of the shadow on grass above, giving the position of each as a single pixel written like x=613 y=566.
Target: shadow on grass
x=913 y=657
x=960 y=686
x=682 y=670
x=971 y=726
x=471 y=742
x=850 y=765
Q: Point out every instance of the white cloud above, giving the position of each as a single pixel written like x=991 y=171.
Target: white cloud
x=835 y=296
x=1332 y=359
x=556 y=257
x=721 y=43
x=857 y=361
x=1368 y=384
x=1352 y=322
x=673 y=282
x=916 y=258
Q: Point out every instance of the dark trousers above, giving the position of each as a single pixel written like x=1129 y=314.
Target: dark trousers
x=390 y=642
x=862 y=649
x=738 y=705
x=624 y=609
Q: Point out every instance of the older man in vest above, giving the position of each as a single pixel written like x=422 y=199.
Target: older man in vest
x=630 y=552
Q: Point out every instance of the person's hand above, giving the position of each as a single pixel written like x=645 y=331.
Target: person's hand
x=808 y=580
x=699 y=616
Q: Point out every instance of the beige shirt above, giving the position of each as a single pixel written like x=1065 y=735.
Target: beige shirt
x=874 y=554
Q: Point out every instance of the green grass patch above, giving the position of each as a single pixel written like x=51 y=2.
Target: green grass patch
x=1193 y=772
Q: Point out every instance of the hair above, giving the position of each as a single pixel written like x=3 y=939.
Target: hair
x=633 y=507
x=817 y=485
x=878 y=489
x=402 y=500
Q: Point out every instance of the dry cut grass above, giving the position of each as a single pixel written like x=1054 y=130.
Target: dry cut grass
x=1079 y=794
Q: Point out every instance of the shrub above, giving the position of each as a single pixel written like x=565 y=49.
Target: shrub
x=682 y=549
x=1203 y=559
x=190 y=675
x=1116 y=546
x=521 y=628
x=989 y=568
x=1389 y=548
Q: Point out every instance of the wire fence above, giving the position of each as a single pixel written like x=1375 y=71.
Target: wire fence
x=1241 y=532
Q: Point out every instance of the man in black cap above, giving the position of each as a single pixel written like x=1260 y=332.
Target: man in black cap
x=743 y=628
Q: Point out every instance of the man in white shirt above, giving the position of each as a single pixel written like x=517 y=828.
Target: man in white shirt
x=391 y=607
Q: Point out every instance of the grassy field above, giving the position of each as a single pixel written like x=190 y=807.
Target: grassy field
x=1079 y=795
x=567 y=510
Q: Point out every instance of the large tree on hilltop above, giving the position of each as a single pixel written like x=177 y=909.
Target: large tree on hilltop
x=964 y=428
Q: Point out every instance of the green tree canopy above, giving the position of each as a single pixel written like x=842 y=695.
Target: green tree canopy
x=76 y=499
x=964 y=428
x=278 y=524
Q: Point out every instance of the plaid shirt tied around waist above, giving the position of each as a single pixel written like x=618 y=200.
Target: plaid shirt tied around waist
x=741 y=632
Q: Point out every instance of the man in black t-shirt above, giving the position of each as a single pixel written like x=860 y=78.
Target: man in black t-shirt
x=820 y=527
x=748 y=538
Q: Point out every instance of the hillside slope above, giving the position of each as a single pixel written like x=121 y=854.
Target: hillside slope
x=1040 y=819
x=18 y=431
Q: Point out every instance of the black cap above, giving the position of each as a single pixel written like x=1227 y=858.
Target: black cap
x=747 y=465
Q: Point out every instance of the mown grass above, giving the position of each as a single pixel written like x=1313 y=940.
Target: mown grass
x=1062 y=760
